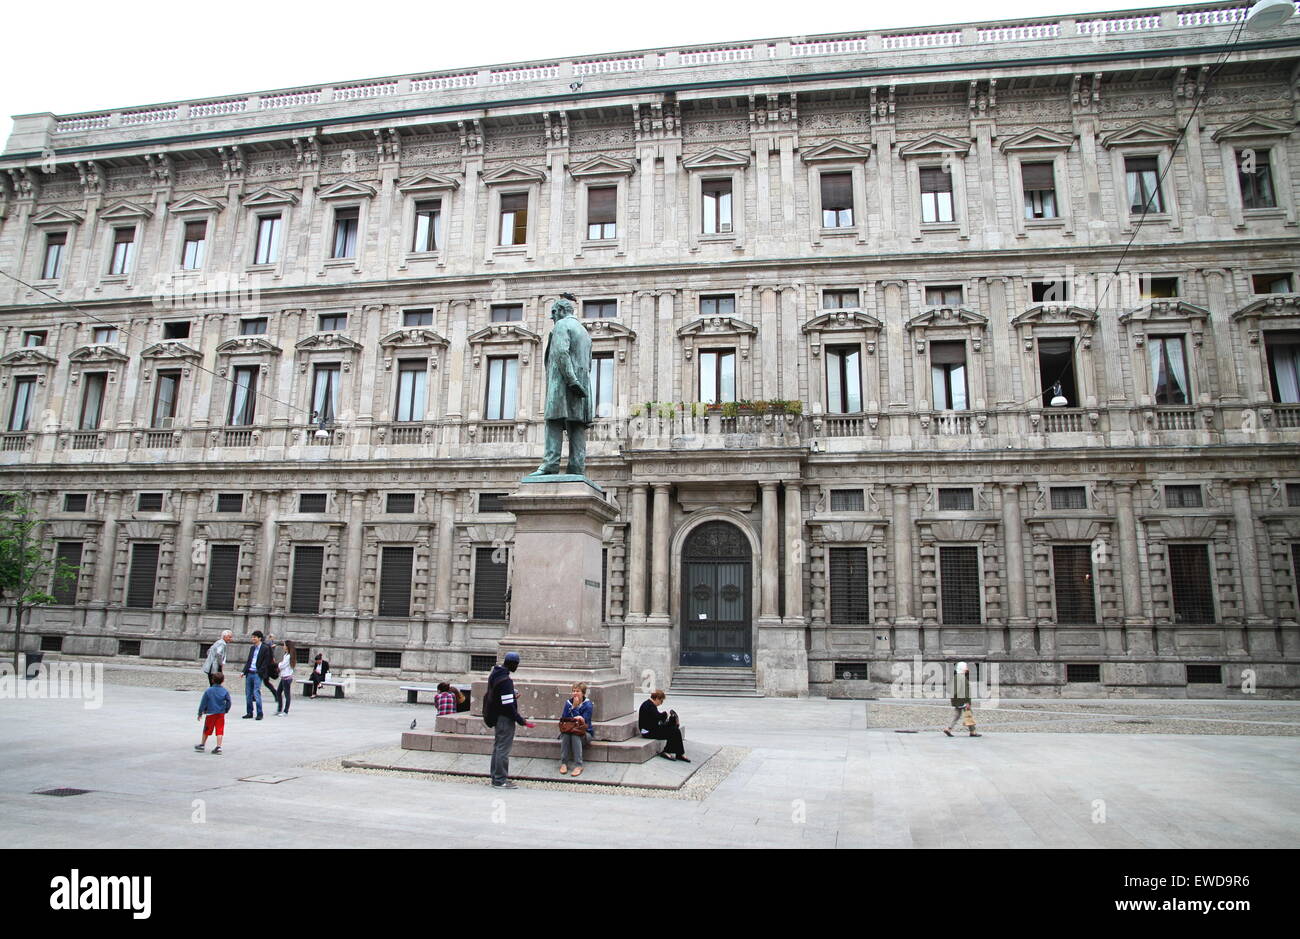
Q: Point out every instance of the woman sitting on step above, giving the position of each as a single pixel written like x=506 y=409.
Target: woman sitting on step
x=576 y=708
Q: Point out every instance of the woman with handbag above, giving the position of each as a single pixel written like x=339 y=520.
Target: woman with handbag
x=575 y=727
x=961 y=701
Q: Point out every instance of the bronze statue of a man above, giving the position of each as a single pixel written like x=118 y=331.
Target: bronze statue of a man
x=568 y=391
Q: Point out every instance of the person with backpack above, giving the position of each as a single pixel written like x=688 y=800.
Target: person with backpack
x=501 y=712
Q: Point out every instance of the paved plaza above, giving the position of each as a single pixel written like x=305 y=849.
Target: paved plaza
x=778 y=773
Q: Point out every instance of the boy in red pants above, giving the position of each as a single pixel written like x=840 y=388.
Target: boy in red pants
x=212 y=711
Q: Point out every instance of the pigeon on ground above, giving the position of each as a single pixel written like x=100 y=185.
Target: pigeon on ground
x=412 y=725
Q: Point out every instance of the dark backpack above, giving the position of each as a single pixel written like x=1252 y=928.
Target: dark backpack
x=272 y=670
x=492 y=703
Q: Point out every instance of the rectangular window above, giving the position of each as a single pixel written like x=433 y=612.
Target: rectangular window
x=417 y=317
x=1199 y=674
x=491 y=502
x=948 y=375
x=717 y=375
x=223 y=576
x=1072 y=582
x=502 y=388
x=428 y=226
x=308 y=564
x=1168 y=369
x=1271 y=283
x=1284 y=365
x=1056 y=366
x=716 y=195
x=718 y=306
x=943 y=295
x=1040 y=190
x=1191 y=583
x=1158 y=288
x=602 y=211
x=388 y=659
x=164 y=398
x=92 y=400
x=507 y=312
x=195 y=243
x=956 y=500
x=1069 y=497
x=1183 y=497
x=936 y=195
x=395 y=581
x=347 y=222
x=847 y=500
x=254 y=326
x=51 y=643
x=105 y=335
x=177 y=330
x=149 y=502
x=960 y=582
x=75 y=502
x=230 y=502
x=33 y=338
x=599 y=309
x=1049 y=291
x=843 y=379
x=332 y=322
x=850 y=587
x=602 y=383
x=482 y=663
x=56 y=242
x=1143 y=176
x=20 y=412
x=1293 y=495
x=325 y=394
x=311 y=502
x=491 y=582
x=514 y=219
x=837 y=200
x=243 y=396
x=1076 y=674
x=123 y=250
x=268 y=239
x=142 y=577
x=400 y=503
x=1255 y=174
x=128 y=647
x=412 y=383
x=840 y=300
x=65 y=591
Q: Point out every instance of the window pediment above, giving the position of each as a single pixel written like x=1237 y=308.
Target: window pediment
x=97 y=355
x=173 y=350
x=1038 y=139
x=1285 y=307
x=26 y=358
x=347 y=189
x=1252 y=127
x=836 y=150
x=716 y=158
x=413 y=337
x=248 y=345
x=1176 y=313
x=837 y=325
x=934 y=145
x=428 y=182
x=503 y=334
x=57 y=216
x=125 y=210
x=269 y=196
x=1043 y=314
x=328 y=342
x=1143 y=133
x=947 y=316
x=513 y=173
x=196 y=204
x=719 y=328
x=607 y=329
x=603 y=166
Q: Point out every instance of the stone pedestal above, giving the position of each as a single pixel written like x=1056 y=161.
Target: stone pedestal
x=555 y=626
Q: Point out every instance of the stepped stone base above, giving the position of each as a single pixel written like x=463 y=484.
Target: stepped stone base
x=598 y=751
x=622 y=728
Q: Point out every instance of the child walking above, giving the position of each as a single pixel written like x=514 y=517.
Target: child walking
x=212 y=711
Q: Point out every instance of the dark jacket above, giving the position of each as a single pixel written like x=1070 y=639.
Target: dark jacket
x=261 y=662
x=649 y=717
x=568 y=358
x=501 y=696
x=961 y=685
x=319 y=676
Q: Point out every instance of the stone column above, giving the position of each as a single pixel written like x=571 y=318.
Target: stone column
x=1243 y=520
x=771 y=555
x=1137 y=628
x=906 y=633
x=446 y=552
x=107 y=556
x=264 y=582
x=659 y=564
x=795 y=553
x=184 y=562
x=1013 y=533
x=636 y=555
x=352 y=573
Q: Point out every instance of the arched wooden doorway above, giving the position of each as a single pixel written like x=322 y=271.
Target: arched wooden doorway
x=717 y=567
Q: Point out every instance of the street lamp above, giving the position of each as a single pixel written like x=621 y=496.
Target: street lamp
x=1268 y=13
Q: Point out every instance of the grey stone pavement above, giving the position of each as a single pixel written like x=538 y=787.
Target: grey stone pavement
x=808 y=773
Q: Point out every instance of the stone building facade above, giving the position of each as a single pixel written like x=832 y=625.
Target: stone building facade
x=269 y=358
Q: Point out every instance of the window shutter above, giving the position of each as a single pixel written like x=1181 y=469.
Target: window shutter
x=947 y=353
x=1072 y=580
x=143 y=576
x=935 y=180
x=65 y=591
x=401 y=502
x=223 y=573
x=490 y=583
x=1190 y=577
x=837 y=190
x=1037 y=176
x=959 y=573
x=601 y=205
x=395 y=581
x=308 y=561
x=849 y=587
x=847 y=500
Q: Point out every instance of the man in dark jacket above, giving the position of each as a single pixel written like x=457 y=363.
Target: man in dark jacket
x=501 y=712
x=256 y=669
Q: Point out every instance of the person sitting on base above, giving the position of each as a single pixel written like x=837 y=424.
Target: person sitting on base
x=656 y=725
x=577 y=707
x=446 y=699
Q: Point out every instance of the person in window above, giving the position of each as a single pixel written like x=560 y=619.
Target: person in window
x=961 y=700
x=656 y=725
x=320 y=671
x=578 y=706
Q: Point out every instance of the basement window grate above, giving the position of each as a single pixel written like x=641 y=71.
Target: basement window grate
x=203 y=650
x=388 y=660
x=1205 y=674
x=128 y=647
x=482 y=663
x=61 y=792
x=851 y=671
x=1090 y=674
x=51 y=643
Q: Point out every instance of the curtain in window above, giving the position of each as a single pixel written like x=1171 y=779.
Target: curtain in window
x=1168 y=370
x=1286 y=367
x=411 y=394
x=243 y=404
x=325 y=397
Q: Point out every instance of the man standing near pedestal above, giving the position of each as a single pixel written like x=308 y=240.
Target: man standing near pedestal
x=501 y=712
x=568 y=391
